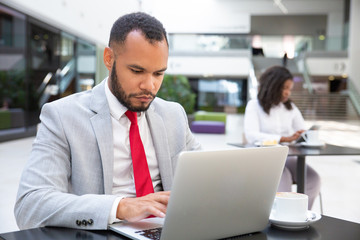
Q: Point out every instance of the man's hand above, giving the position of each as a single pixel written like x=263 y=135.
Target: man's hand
x=135 y=209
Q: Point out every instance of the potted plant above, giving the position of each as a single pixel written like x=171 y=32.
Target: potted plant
x=177 y=88
x=12 y=87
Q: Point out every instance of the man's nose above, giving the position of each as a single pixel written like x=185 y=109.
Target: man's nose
x=147 y=82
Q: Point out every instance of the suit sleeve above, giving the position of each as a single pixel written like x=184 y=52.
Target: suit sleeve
x=45 y=196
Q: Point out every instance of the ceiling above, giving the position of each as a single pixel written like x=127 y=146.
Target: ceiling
x=93 y=19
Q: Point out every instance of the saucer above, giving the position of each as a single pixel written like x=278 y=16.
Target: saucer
x=306 y=144
x=312 y=217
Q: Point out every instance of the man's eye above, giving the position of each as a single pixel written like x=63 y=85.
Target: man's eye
x=135 y=71
x=159 y=73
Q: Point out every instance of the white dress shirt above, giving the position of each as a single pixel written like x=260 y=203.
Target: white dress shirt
x=123 y=180
x=260 y=126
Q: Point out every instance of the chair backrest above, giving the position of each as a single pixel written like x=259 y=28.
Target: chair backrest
x=210 y=116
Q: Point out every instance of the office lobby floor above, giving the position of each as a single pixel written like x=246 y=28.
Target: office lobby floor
x=340 y=175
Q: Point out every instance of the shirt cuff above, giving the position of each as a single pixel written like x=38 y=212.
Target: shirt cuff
x=112 y=217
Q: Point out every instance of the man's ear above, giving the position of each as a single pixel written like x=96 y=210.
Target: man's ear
x=108 y=58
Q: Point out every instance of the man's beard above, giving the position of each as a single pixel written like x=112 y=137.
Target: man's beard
x=124 y=99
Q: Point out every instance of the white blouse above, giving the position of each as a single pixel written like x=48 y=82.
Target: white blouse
x=260 y=126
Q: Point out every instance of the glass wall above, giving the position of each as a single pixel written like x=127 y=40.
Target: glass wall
x=294 y=45
x=67 y=71
x=44 y=60
x=38 y=64
x=208 y=43
x=215 y=93
x=220 y=94
x=13 y=95
x=86 y=65
x=12 y=59
x=270 y=46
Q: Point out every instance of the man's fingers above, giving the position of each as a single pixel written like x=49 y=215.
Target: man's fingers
x=158 y=204
x=162 y=197
x=161 y=193
x=134 y=209
x=158 y=209
x=155 y=208
x=164 y=193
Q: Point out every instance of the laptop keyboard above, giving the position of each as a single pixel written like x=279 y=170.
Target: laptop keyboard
x=153 y=233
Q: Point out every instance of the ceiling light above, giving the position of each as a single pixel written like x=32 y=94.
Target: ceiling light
x=281 y=6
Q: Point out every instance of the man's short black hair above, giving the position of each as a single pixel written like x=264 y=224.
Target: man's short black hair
x=152 y=28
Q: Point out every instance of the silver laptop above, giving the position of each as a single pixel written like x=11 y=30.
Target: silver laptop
x=216 y=194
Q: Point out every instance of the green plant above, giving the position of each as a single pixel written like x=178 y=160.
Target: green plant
x=176 y=88
x=12 y=86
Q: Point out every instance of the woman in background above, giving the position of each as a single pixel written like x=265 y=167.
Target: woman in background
x=274 y=117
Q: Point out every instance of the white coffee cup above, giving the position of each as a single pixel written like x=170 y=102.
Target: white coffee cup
x=311 y=136
x=290 y=207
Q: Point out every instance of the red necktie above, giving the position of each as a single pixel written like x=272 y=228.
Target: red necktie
x=143 y=183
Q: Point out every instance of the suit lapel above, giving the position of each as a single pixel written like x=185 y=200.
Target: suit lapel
x=102 y=126
x=161 y=145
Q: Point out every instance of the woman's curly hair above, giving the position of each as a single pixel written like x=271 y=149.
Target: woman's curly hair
x=271 y=86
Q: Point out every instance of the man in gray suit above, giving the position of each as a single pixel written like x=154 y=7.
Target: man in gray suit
x=80 y=171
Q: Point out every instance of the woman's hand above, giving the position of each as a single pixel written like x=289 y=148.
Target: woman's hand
x=293 y=137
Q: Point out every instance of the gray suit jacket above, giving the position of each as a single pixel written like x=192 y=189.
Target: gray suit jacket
x=69 y=175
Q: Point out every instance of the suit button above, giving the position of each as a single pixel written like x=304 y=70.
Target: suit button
x=90 y=221
x=78 y=222
x=84 y=222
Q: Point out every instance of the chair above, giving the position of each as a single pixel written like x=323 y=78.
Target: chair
x=210 y=116
x=208 y=122
x=321 y=204
x=293 y=185
x=207 y=127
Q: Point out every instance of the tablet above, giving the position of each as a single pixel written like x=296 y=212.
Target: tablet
x=301 y=139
